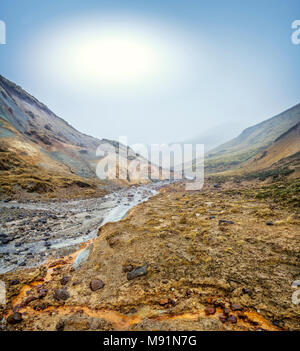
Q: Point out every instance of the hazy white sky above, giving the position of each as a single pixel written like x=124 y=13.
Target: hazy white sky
x=152 y=72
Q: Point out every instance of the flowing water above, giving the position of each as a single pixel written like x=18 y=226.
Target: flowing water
x=32 y=232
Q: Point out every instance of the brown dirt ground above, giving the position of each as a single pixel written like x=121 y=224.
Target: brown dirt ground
x=193 y=262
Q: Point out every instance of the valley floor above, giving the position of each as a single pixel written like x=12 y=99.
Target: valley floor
x=34 y=231
x=200 y=260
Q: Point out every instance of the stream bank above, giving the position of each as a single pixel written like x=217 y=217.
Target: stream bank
x=32 y=232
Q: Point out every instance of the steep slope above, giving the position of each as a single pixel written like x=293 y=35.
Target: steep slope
x=284 y=151
x=36 y=142
x=251 y=141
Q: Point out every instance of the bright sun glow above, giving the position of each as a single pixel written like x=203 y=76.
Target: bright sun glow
x=114 y=59
x=104 y=56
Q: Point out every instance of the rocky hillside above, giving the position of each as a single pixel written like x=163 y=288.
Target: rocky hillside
x=283 y=152
x=251 y=141
x=40 y=152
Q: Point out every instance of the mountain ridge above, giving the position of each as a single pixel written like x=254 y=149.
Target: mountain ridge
x=252 y=140
x=46 y=144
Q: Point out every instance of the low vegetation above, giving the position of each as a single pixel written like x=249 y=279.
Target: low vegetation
x=286 y=194
x=19 y=179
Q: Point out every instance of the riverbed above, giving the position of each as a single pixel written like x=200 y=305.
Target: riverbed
x=32 y=232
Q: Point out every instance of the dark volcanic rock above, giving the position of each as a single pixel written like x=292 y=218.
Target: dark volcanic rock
x=132 y=310
x=14 y=318
x=247 y=291
x=138 y=272
x=223 y=221
x=61 y=294
x=5 y=241
x=210 y=310
x=189 y=292
x=42 y=293
x=96 y=284
x=65 y=280
x=277 y=323
x=236 y=307
x=226 y=311
x=232 y=319
x=223 y=318
x=14 y=282
x=30 y=299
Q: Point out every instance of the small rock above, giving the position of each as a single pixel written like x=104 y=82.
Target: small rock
x=226 y=311
x=222 y=318
x=14 y=282
x=232 y=319
x=219 y=303
x=65 y=280
x=29 y=299
x=223 y=221
x=163 y=302
x=243 y=317
x=40 y=307
x=138 y=272
x=42 y=293
x=277 y=323
x=210 y=310
x=236 y=307
x=60 y=325
x=15 y=318
x=247 y=291
x=269 y=223
x=61 y=294
x=96 y=284
x=188 y=292
x=5 y=241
